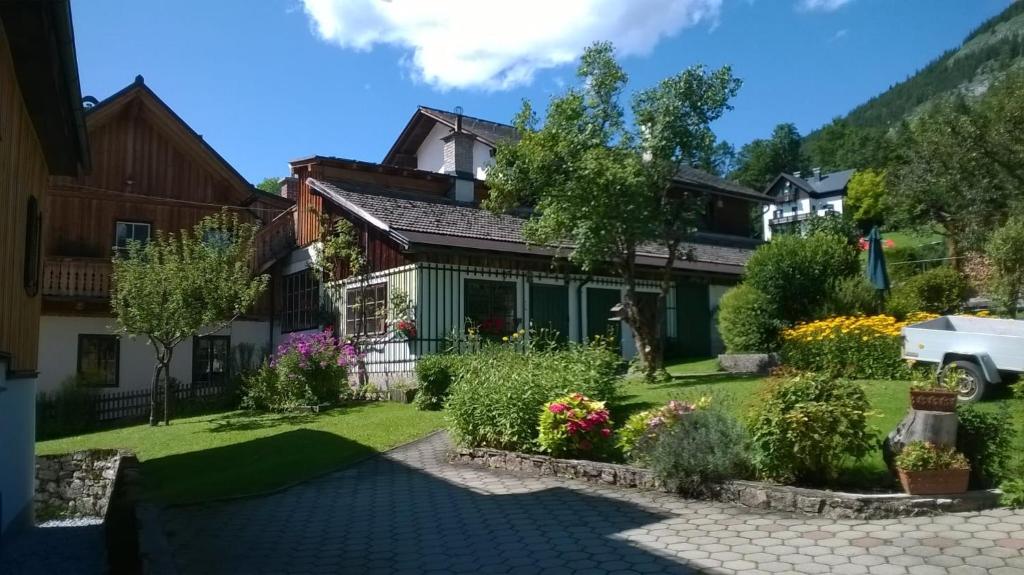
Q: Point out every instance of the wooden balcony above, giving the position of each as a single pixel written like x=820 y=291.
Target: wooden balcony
x=273 y=241
x=77 y=277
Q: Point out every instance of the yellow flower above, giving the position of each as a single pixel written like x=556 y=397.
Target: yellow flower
x=504 y=338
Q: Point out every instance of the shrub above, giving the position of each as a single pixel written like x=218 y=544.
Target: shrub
x=700 y=449
x=574 y=425
x=806 y=427
x=305 y=370
x=853 y=296
x=642 y=428
x=435 y=374
x=498 y=391
x=799 y=273
x=1005 y=250
x=865 y=347
x=898 y=258
x=986 y=439
x=925 y=456
x=748 y=320
x=1013 y=493
x=940 y=290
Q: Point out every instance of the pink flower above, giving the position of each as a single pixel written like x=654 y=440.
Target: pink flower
x=606 y=432
x=556 y=407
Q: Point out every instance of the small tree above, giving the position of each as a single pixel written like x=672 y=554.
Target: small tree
x=866 y=198
x=607 y=188
x=1006 y=252
x=270 y=185
x=175 y=285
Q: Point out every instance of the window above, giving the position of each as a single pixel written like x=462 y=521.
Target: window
x=33 y=240
x=210 y=360
x=98 y=359
x=778 y=214
x=301 y=306
x=366 y=309
x=125 y=232
x=491 y=306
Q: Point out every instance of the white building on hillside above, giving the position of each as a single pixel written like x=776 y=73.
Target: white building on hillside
x=796 y=199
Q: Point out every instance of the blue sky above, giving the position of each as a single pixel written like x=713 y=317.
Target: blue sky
x=272 y=80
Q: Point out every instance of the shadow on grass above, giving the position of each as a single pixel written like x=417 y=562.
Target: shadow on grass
x=248 y=467
x=251 y=421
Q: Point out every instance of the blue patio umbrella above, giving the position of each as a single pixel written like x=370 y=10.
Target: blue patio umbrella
x=877 y=274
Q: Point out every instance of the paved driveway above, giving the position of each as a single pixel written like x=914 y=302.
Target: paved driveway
x=410 y=512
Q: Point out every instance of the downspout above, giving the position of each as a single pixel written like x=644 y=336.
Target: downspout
x=579 y=308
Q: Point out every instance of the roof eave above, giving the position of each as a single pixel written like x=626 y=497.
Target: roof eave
x=317 y=187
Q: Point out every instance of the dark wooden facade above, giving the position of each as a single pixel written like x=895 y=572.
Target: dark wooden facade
x=148 y=167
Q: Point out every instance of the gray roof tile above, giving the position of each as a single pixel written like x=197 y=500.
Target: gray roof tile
x=407 y=210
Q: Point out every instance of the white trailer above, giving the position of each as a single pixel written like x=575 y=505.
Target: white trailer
x=985 y=349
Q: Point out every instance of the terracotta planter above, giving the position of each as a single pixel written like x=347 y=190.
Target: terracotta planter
x=935 y=482
x=933 y=400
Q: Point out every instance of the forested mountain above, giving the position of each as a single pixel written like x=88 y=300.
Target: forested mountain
x=985 y=55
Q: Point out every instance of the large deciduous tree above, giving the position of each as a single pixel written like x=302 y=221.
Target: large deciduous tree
x=603 y=187
x=761 y=161
x=867 y=198
x=179 y=285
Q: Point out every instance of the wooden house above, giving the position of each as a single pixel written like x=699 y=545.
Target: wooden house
x=150 y=172
x=41 y=133
x=425 y=237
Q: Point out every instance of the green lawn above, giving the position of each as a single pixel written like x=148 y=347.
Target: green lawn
x=889 y=401
x=237 y=453
x=693 y=366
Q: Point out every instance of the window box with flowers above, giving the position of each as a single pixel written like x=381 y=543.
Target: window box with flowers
x=403 y=321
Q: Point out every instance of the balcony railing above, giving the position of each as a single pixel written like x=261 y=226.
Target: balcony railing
x=77 y=277
x=274 y=240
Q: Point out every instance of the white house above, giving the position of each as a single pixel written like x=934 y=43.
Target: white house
x=794 y=199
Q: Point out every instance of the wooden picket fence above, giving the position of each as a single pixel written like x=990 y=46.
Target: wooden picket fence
x=81 y=410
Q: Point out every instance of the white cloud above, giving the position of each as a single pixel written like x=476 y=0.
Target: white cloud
x=822 y=5
x=840 y=34
x=499 y=45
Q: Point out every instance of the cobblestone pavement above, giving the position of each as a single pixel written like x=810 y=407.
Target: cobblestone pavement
x=72 y=547
x=410 y=512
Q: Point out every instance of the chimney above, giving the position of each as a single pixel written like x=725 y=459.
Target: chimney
x=817 y=174
x=290 y=188
x=458 y=160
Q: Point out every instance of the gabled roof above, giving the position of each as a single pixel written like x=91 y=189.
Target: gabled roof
x=702 y=181
x=200 y=149
x=831 y=184
x=42 y=45
x=410 y=218
x=425 y=118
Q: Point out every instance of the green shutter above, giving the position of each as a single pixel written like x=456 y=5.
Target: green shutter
x=549 y=309
x=693 y=320
x=599 y=305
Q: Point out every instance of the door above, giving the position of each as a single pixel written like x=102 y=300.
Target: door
x=693 y=320
x=599 y=309
x=549 y=309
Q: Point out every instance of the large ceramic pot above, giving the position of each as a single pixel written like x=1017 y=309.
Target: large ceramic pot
x=933 y=400
x=935 y=482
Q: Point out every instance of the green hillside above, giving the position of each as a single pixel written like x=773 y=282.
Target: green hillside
x=985 y=55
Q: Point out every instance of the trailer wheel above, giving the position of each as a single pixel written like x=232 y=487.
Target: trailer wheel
x=971 y=383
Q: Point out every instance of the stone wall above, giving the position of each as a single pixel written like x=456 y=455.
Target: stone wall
x=760 y=363
x=77 y=484
x=831 y=504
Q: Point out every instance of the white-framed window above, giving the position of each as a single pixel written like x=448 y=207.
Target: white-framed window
x=125 y=232
x=366 y=309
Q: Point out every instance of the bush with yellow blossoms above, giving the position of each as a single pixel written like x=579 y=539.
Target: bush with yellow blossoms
x=865 y=347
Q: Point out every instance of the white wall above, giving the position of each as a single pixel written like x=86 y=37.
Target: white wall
x=17 y=450
x=58 y=350
x=804 y=207
x=430 y=155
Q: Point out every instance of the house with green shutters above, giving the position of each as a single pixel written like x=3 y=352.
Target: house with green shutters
x=426 y=238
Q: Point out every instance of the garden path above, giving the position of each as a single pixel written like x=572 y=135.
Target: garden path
x=67 y=547
x=408 y=511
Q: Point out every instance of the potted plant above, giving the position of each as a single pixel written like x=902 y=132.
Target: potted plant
x=938 y=393
x=404 y=322
x=927 y=469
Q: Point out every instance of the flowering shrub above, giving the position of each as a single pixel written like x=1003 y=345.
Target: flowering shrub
x=850 y=346
x=642 y=428
x=573 y=425
x=406 y=327
x=805 y=428
x=306 y=369
x=924 y=456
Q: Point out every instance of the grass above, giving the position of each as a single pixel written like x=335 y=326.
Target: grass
x=238 y=453
x=693 y=366
x=889 y=401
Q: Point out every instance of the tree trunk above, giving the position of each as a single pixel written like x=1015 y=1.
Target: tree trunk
x=167 y=385
x=153 y=391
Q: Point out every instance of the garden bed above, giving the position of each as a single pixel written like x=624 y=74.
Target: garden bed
x=760 y=495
